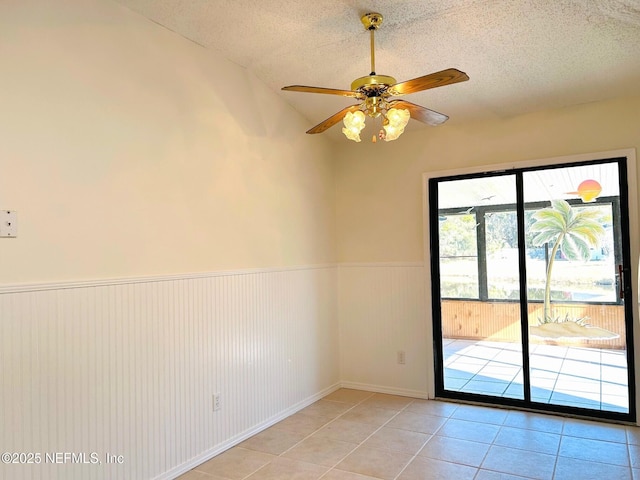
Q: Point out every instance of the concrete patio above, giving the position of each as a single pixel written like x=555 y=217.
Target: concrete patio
x=592 y=378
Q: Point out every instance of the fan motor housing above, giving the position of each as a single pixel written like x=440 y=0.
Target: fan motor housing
x=372 y=85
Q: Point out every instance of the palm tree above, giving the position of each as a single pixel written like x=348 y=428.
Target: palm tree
x=572 y=231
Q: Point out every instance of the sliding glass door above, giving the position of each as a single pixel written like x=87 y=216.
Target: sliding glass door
x=477 y=263
x=530 y=299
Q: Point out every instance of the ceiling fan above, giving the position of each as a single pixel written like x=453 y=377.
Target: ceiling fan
x=375 y=92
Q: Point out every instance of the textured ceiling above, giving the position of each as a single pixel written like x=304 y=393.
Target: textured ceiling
x=521 y=56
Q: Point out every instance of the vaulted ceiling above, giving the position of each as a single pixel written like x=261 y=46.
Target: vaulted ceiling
x=521 y=56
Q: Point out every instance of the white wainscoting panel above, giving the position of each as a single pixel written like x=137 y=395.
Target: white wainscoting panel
x=129 y=368
x=382 y=311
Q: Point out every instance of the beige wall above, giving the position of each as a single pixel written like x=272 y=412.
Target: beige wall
x=127 y=150
x=380 y=225
x=130 y=151
x=379 y=186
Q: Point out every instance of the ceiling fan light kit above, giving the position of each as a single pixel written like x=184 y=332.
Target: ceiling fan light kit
x=353 y=125
x=396 y=120
x=374 y=91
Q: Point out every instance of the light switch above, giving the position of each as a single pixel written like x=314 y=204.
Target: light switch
x=8 y=223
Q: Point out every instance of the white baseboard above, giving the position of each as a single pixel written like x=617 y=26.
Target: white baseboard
x=403 y=392
x=218 y=449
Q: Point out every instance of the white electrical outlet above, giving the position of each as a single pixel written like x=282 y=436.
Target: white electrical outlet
x=216 y=402
x=401 y=357
x=8 y=223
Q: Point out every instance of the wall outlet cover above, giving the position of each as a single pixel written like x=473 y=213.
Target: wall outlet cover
x=8 y=223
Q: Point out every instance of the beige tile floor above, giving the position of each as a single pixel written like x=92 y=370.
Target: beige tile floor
x=357 y=435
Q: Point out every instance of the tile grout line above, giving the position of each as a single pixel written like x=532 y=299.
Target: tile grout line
x=328 y=423
x=415 y=455
x=303 y=439
x=492 y=444
x=312 y=434
x=555 y=463
x=368 y=437
x=562 y=434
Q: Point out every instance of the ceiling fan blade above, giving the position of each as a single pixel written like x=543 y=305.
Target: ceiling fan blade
x=330 y=91
x=422 y=114
x=433 y=80
x=332 y=120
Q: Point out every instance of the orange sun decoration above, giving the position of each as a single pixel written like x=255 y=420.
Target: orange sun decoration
x=588 y=190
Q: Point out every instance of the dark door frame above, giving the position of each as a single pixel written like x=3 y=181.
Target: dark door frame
x=431 y=183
